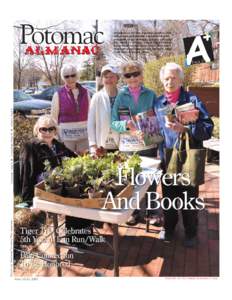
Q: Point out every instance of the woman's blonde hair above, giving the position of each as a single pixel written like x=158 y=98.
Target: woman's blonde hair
x=46 y=120
x=131 y=66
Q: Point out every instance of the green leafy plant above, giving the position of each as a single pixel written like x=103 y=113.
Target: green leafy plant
x=93 y=175
x=111 y=172
x=73 y=175
x=94 y=184
x=132 y=162
x=53 y=178
x=23 y=132
x=216 y=129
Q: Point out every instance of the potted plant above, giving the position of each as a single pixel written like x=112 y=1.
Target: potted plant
x=53 y=179
x=94 y=189
x=72 y=180
x=83 y=176
x=110 y=179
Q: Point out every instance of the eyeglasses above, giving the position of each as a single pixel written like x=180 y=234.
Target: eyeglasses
x=72 y=76
x=45 y=129
x=134 y=74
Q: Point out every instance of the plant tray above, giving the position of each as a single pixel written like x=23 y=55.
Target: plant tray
x=86 y=203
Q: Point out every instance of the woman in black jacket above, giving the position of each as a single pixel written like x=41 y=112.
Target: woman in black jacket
x=44 y=147
x=34 y=153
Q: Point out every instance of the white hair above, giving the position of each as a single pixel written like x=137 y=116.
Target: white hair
x=68 y=69
x=173 y=67
x=46 y=120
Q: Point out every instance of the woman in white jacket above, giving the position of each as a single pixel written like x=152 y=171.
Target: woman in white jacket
x=99 y=118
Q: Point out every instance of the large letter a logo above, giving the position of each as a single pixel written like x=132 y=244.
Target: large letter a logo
x=198 y=49
x=197 y=43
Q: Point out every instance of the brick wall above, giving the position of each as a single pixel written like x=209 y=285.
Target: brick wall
x=210 y=97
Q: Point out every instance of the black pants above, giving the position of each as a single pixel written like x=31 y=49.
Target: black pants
x=190 y=217
x=81 y=228
x=152 y=153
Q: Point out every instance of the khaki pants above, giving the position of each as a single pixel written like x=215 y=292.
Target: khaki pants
x=77 y=146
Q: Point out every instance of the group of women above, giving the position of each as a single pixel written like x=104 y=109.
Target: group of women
x=78 y=123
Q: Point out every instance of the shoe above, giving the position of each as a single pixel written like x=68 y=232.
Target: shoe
x=190 y=242
x=133 y=220
x=165 y=236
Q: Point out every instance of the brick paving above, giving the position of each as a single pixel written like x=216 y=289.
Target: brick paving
x=142 y=253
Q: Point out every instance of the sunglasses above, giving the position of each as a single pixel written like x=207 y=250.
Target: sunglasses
x=134 y=74
x=45 y=129
x=72 y=76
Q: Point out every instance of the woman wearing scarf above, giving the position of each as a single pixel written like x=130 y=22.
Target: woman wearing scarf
x=171 y=75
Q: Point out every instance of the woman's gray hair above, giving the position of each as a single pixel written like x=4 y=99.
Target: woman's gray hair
x=173 y=67
x=46 y=120
x=68 y=69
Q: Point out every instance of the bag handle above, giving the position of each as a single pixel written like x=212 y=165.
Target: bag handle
x=179 y=138
x=182 y=136
x=184 y=139
x=187 y=141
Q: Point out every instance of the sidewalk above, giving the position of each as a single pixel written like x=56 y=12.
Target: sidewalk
x=143 y=254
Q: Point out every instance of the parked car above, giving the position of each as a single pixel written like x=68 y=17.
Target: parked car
x=48 y=93
x=38 y=91
x=89 y=83
x=90 y=86
x=27 y=105
x=29 y=91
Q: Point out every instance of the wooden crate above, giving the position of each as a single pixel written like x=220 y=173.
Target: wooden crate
x=87 y=203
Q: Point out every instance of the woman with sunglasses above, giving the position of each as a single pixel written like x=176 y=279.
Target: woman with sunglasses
x=70 y=105
x=43 y=147
x=132 y=100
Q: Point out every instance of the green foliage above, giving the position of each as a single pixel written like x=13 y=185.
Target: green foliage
x=92 y=173
x=134 y=162
x=18 y=199
x=88 y=71
x=152 y=70
x=94 y=184
x=72 y=169
x=53 y=177
x=110 y=173
x=216 y=129
x=23 y=132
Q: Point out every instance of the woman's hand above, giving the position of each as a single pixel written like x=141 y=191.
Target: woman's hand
x=131 y=126
x=138 y=133
x=134 y=131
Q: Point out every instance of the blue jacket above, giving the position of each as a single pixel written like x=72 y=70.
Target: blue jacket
x=199 y=131
x=125 y=99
